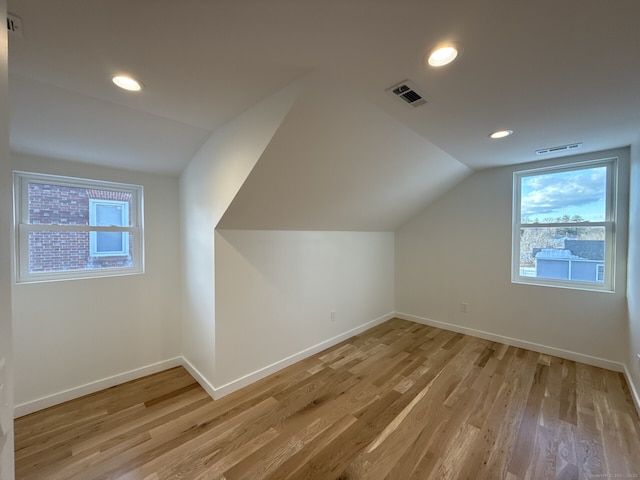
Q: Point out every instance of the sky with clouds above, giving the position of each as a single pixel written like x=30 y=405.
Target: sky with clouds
x=576 y=192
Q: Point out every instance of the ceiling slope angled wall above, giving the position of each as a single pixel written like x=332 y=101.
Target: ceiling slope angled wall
x=49 y=121
x=207 y=186
x=338 y=162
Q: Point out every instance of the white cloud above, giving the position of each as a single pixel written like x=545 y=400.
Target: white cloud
x=575 y=192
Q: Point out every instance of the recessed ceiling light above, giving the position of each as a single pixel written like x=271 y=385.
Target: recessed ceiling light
x=501 y=134
x=127 y=83
x=444 y=55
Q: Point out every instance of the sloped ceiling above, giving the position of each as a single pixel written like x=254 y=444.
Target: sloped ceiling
x=337 y=162
x=50 y=121
x=556 y=72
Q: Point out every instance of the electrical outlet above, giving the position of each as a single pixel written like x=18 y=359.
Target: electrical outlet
x=14 y=25
x=333 y=315
x=464 y=307
x=638 y=354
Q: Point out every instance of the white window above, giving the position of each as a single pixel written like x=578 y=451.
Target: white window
x=70 y=228
x=108 y=213
x=564 y=225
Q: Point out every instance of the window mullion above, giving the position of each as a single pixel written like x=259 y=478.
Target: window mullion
x=563 y=225
x=40 y=227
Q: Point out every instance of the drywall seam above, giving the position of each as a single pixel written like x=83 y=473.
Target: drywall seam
x=536 y=347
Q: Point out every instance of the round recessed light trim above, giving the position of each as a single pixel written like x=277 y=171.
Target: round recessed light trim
x=127 y=83
x=501 y=134
x=444 y=54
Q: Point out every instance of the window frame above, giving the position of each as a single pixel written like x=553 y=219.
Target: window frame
x=23 y=227
x=609 y=225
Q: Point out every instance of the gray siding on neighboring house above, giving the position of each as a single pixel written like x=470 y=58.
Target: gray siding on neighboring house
x=578 y=260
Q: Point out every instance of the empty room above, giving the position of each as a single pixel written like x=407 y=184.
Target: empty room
x=299 y=239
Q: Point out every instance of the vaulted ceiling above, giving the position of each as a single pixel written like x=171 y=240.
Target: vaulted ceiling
x=555 y=72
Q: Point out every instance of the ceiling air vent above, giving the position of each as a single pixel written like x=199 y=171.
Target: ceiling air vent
x=560 y=149
x=407 y=92
x=14 y=25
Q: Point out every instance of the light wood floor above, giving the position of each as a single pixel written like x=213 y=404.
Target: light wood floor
x=401 y=401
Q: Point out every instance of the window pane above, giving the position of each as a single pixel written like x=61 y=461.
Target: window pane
x=563 y=253
x=109 y=214
x=51 y=204
x=110 y=242
x=57 y=204
x=56 y=251
x=567 y=196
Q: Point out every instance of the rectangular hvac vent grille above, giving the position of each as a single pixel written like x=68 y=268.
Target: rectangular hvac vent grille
x=561 y=148
x=407 y=92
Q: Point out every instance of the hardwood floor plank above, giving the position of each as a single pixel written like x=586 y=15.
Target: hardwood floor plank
x=335 y=458
x=214 y=471
x=527 y=431
x=381 y=456
x=164 y=438
x=291 y=467
x=186 y=456
x=488 y=456
x=433 y=443
x=452 y=461
x=568 y=408
x=401 y=401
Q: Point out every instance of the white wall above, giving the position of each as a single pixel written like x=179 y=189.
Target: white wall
x=459 y=250
x=6 y=229
x=275 y=291
x=264 y=297
x=633 y=289
x=207 y=186
x=71 y=334
x=340 y=163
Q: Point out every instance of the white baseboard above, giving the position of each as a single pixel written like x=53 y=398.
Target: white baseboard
x=261 y=373
x=201 y=379
x=92 y=387
x=220 y=391
x=536 y=347
x=635 y=393
x=214 y=392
